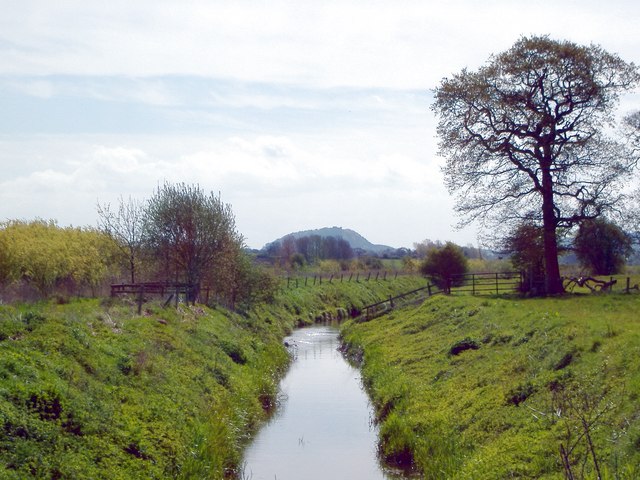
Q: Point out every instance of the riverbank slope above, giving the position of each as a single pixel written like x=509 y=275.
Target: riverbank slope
x=90 y=389
x=493 y=388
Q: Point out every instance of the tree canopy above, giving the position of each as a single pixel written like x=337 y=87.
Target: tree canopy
x=47 y=257
x=444 y=264
x=526 y=247
x=525 y=139
x=602 y=247
x=191 y=231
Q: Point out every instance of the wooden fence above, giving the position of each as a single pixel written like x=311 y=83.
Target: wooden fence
x=172 y=291
x=487 y=283
x=375 y=308
x=475 y=283
x=306 y=280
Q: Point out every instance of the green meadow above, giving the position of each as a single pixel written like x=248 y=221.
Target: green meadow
x=91 y=389
x=492 y=388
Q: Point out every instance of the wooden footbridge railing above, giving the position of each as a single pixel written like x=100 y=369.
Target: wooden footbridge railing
x=161 y=289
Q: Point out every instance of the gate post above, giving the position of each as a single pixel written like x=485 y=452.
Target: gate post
x=140 y=298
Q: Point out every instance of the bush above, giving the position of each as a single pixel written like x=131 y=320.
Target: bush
x=444 y=264
x=602 y=247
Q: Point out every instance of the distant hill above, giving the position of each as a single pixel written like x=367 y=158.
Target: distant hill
x=356 y=240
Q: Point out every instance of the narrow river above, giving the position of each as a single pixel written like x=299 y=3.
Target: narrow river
x=323 y=429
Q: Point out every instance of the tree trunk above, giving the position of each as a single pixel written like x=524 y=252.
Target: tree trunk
x=552 y=280
x=132 y=268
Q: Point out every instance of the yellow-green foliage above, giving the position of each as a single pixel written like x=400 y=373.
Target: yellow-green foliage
x=46 y=255
x=472 y=388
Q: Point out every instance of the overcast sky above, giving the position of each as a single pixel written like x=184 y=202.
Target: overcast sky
x=302 y=114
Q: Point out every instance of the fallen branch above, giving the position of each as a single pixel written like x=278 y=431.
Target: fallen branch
x=593 y=284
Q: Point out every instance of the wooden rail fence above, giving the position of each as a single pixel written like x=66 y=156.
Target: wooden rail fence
x=474 y=283
x=173 y=291
x=372 y=309
x=486 y=283
x=306 y=280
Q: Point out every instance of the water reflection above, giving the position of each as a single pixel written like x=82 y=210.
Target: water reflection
x=323 y=429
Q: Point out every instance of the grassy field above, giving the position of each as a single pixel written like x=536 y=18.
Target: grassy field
x=90 y=389
x=492 y=388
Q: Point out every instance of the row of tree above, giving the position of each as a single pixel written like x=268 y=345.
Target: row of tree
x=180 y=235
x=185 y=235
x=600 y=246
x=309 y=249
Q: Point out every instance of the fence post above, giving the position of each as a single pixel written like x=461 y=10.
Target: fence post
x=331 y=278
x=377 y=275
x=497 y=287
x=358 y=277
x=429 y=288
x=396 y=275
x=628 y=284
x=350 y=277
x=473 y=284
x=391 y=301
x=288 y=282
x=140 y=298
x=369 y=277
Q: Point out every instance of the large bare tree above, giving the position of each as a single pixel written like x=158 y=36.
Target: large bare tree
x=525 y=138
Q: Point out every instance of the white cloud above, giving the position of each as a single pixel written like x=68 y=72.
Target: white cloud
x=347 y=43
x=302 y=114
x=36 y=88
x=273 y=182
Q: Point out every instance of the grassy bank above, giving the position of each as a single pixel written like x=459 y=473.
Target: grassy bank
x=90 y=389
x=482 y=388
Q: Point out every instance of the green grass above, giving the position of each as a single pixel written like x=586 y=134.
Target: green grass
x=93 y=391
x=473 y=388
x=90 y=389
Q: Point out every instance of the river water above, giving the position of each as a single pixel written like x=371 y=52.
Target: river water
x=323 y=428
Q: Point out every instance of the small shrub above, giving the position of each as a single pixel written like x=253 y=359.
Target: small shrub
x=444 y=263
